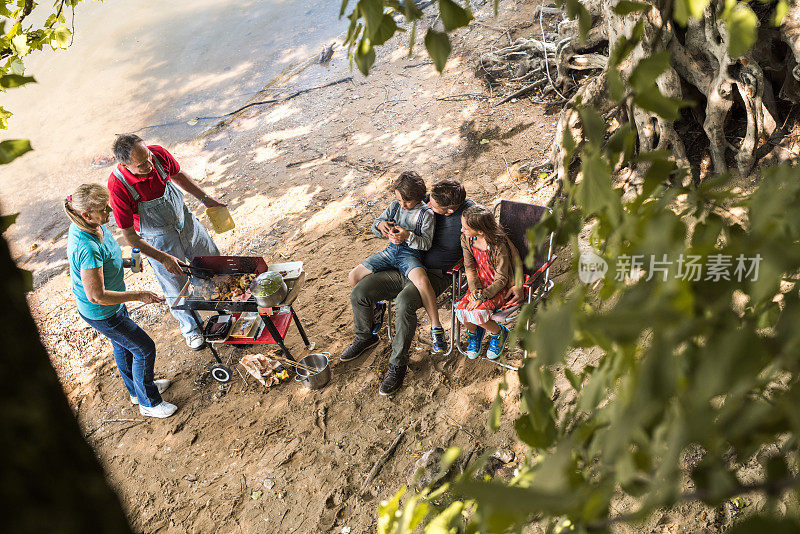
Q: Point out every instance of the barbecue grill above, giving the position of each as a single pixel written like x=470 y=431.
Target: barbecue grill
x=277 y=319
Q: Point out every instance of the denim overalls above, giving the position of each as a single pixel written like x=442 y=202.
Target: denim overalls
x=168 y=225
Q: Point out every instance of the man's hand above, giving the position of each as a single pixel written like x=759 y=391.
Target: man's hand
x=398 y=235
x=385 y=228
x=173 y=265
x=516 y=296
x=148 y=297
x=211 y=202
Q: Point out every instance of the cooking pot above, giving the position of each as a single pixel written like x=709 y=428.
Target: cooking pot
x=269 y=289
x=314 y=361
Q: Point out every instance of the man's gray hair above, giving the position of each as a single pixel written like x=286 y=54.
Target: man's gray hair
x=123 y=146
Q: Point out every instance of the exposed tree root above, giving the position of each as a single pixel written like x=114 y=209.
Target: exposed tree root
x=740 y=104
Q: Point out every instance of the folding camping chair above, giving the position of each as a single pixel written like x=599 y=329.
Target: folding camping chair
x=454 y=292
x=515 y=218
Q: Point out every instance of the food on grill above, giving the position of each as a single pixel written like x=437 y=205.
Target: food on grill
x=222 y=287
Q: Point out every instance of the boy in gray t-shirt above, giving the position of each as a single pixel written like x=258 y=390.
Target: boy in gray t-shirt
x=408 y=224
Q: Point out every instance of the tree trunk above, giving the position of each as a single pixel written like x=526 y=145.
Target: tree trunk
x=740 y=104
x=51 y=480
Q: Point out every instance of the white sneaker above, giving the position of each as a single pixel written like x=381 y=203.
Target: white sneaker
x=162 y=410
x=195 y=341
x=161 y=385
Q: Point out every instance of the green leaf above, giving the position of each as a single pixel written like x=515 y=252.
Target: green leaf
x=4 y=116
x=593 y=124
x=12 y=149
x=20 y=44
x=773 y=525
x=27 y=280
x=576 y=9
x=412 y=39
x=625 y=45
x=17 y=66
x=647 y=71
x=573 y=379
x=453 y=15
x=653 y=100
x=364 y=56
x=554 y=331
x=61 y=37
x=343 y=8
x=742 y=26
x=438 y=45
x=7 y=220
x=388 y=512
x=781 y=10
x=658 y=173
x=626 y=7
x=616 y=89
x=385 y=31
x=595 y=193
x=15 y=80
x=493 y=423
x=448 y=458
x=694 y=8
x=372 y=11
x=445 y=521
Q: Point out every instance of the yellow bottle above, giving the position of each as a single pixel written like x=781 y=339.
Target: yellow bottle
x=220 y=218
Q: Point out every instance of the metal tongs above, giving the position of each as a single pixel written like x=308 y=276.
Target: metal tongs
x=198 y=272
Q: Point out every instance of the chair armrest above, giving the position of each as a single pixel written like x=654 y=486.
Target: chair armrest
x=540 y=271
x=457 y=267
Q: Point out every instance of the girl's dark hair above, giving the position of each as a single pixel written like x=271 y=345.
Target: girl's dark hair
x=449 y=194
x=410 y=186
x=481 y=220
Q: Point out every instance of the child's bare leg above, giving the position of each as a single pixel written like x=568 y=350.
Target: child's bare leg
x=491 y=326
x=358 y=274
x=419 y=278
x=471 y=327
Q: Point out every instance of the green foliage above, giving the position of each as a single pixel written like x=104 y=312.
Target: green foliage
x=685 y=371
x=373 y=22
x=438 y=46
x=12 y=149
x=742 y=26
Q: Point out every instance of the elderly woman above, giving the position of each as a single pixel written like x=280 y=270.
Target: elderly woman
x=95 y=262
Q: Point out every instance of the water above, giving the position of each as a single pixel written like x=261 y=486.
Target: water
x=149 y=67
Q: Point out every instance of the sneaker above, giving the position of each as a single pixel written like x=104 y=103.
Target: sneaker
x=377 y=317
x=393 y=379
x=162 y=410
x=438 y=344
x=195 y=341
x=474 y=343
x=357 y=348
x=161 y=385
x=496 y=343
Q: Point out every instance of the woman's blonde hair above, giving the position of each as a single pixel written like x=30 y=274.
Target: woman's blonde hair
x=87 y=197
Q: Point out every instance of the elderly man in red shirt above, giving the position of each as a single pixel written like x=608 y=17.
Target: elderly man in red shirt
x=150 y=211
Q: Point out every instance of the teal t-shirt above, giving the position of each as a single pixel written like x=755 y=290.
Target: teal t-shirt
x=85 y=251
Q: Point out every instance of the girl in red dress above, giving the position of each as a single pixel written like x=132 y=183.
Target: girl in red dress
x=488 y=262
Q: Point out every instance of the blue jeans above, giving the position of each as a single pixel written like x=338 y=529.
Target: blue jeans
x=134 y=352
x=400 y=257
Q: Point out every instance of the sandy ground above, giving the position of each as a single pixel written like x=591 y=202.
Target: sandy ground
x=304 y=179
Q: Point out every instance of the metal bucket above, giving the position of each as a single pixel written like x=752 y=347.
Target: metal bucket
x=314 y=380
